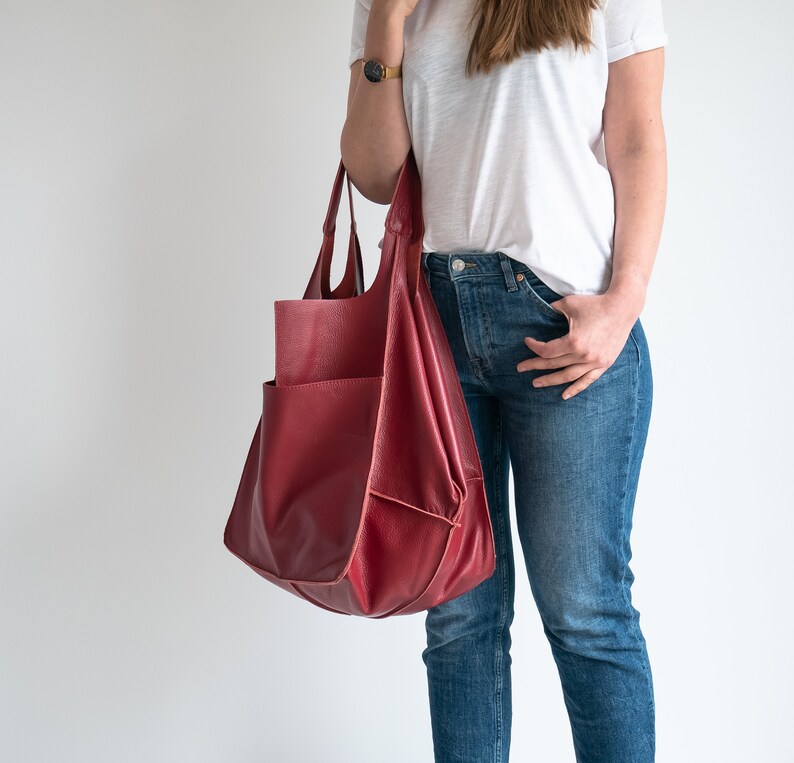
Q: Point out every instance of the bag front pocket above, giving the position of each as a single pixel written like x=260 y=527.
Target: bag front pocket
x=315 y=454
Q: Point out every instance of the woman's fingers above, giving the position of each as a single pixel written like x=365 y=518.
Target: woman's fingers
x=572 y=366
x=559 y=361
x=552 y=354
x=567 y=374
x=583 y=382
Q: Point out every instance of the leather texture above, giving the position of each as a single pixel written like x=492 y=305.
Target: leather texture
x=363 y=491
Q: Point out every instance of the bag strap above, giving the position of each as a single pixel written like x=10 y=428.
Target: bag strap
x=403 y=221
x=352 y=283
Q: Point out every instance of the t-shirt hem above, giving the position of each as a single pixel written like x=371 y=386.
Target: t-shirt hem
x=636 y=45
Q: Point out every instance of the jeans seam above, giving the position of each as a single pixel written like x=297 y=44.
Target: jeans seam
x=474 y=362
x=624 y=508
x=499 y=454
x=639 y=352
x=488 y=344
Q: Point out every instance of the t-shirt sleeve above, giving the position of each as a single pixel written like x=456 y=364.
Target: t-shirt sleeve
x=359 y=32
x=633 y=26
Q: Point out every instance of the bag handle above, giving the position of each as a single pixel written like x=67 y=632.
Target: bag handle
x=404 y=221
x=352 y=283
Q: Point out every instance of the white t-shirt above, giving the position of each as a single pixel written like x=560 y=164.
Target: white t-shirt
x=514 y=161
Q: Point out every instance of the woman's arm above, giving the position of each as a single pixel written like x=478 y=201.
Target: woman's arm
x=636 y=151
x=375 y=137
x=599 y=324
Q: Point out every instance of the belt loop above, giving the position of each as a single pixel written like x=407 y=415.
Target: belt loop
x=425 y=255
x=507 y=268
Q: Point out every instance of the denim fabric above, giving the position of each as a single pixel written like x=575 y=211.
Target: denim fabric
x=576 y=465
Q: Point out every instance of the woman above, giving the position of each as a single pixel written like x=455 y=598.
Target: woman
x=538 y=256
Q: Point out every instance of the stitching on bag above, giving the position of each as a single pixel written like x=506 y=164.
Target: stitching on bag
x=415 y=508
x=326 y=382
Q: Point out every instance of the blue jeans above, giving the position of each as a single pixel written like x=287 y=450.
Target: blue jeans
x=576 y=465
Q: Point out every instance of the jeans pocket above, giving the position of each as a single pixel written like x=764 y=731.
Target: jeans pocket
x=539 y=292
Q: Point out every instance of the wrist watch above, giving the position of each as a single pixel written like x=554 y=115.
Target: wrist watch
x=375 y=71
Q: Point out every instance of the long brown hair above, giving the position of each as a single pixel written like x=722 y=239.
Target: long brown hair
x=508 y=28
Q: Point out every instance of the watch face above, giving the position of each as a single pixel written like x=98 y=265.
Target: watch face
x=373 y=71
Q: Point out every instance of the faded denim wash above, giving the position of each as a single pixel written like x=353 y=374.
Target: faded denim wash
x=576 y=466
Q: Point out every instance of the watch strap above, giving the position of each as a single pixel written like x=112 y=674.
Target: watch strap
x=389 y=72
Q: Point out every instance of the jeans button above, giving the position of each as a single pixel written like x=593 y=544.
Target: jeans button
x=458 y=265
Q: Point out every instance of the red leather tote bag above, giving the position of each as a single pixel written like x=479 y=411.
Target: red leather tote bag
x=363 y=489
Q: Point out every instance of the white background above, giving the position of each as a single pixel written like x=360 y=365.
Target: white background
x=165 y=168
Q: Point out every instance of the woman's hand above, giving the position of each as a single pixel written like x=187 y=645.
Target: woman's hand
x=599 y=325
